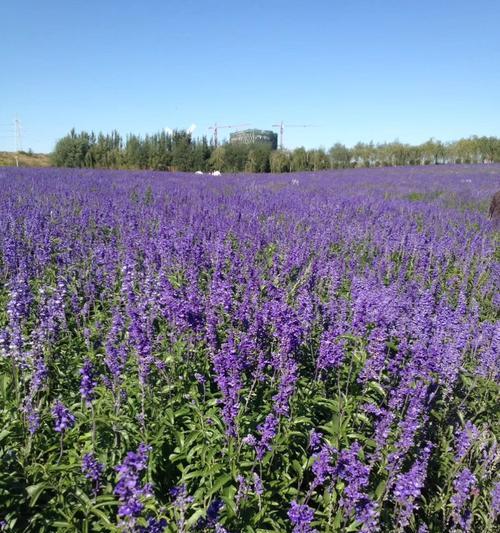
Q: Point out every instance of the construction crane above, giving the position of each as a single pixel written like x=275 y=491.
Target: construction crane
x=282 y=127
x=216 y=128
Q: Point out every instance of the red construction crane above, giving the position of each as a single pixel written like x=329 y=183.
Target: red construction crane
x=216 y=127
x=282 y=127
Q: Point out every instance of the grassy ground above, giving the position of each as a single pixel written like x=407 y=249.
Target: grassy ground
x=8 y=159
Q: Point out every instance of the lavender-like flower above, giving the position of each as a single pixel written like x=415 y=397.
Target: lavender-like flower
x=258 y=486
x=243 y=489
x=212 y=517
x=93 y=470
x=40 y=373
x=289 y=375
x=355 y=475
x=322 y=467
x=408 y=487
x=153 y=526
x=315 y=440
x=115 y=358
x=331 y=350
x=267 y=433
x=228 y=367
x=464 y=484
x=129 y=488
x=301 y=517
x=181 y=502
x=200 y=378
x=465 y=439
x=495 y=500
x=63 y=417
x=88 y=382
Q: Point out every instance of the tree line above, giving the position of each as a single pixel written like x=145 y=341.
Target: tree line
x=180 y=151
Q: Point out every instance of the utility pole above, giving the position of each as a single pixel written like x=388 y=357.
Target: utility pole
x=19 y=143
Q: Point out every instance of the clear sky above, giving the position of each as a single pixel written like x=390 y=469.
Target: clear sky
x=357 y=69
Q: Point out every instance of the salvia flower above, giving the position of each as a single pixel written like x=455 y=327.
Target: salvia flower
x=409 y=486
x=258 y=486
x=93 y=470
x=129 y=488
x=351 y=470
x=465 y=439
x=267 y=433
x=322 y=467
x=250 y=440
x=88 y=381
x=243 y=489
x=200 y=378
x=228 y=368
x=181 y=497
x=464 y=484
x=315 y=440
x=63 y=417
x=212 y=517
x=301 y=517
x=181 y=502
x=153 y=526
x=495 y=500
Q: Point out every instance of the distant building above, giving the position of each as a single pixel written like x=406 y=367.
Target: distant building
x=255 y=136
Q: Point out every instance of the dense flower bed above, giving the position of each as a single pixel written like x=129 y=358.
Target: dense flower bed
x=249 y=353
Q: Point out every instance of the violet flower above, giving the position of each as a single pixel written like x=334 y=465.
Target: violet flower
x=267 y=433
x=93 y=470
x=465 y=439
x=88 y=382
x=63 y=417
x=495 y=500
x=463 y=484
x=153 y=526
x=129 y=487
x=408 y=487
x=301 y=517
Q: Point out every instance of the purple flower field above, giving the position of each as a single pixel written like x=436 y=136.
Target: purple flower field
x=249 y=353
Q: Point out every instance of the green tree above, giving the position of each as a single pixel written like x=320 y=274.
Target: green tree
x=217 y=160
x=279 y=161
x=340 y=156
x=299 y=160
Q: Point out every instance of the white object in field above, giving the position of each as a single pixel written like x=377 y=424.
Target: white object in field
x=295 y=181
x=198 y=172
x=216 y=173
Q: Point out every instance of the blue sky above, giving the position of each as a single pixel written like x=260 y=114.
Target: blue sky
x=358 y=70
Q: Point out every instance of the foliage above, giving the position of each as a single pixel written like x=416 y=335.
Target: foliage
x=180 y=151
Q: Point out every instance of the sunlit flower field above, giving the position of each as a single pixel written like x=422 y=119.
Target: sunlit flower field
x=250 y=353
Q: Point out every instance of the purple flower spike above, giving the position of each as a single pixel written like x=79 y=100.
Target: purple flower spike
x=63 y=417
x=464 y=484
x=153 y=526
x=301 y=517
x=92 y=470
x=88 y=382
x=129 y=488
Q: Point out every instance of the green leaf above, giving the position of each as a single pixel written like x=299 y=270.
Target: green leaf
x=105 y=520
x=35 y=491
x=194 y=518
x=4 y=434
x=380 y=489
x=220 y=482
